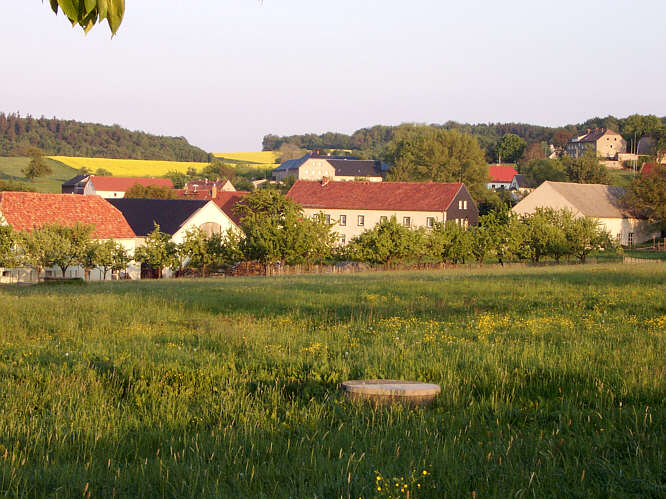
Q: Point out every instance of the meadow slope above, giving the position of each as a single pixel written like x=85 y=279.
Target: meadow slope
x=553 y=384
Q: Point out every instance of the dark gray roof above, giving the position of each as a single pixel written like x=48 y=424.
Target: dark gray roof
x=521 y=181
x=356 y=168
x=292 y=163
x=75 y=180
x=169 y=214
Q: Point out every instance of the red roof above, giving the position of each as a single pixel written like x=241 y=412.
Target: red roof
x=649 y=169
x=502 y=173
x=404 y=196
x=122 y=184
x=25 y=211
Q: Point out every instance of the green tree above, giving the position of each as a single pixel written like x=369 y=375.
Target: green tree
x=37 y=166
x=7 y=250
x=197 y=250
x=647 y=196
x=178 y=179
x=104 y=256
x=450 y=243
x=542 y=237
x=87 y=13
x=425 y=153
x=561 y=137
x=276 y=230
x=121 y=258
x=584 y=235
x=636 y=126
x=510 y=148
x=68 y=244
x=10 y=185
x=388 y=242
x=36 y=249
x=150 y=192
x=537 y=172
x=89 y=257
x=586 y=169
x=289 y=151
x=102 y=172
x=505 y=234
x=158 y=251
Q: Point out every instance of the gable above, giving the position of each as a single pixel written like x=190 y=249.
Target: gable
x=169 y=214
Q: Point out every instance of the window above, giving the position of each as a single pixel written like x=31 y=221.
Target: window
x=460 y=205
x=210 y=228
x=383 y=219
x=343 y=239
x=465 y=205
x=328 y=219
x=430 y=222
x=343 y=220
x=630 y=239
x=360 y=220
x=407 y=221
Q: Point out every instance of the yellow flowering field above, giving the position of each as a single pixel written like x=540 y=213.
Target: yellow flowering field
x=130 y=167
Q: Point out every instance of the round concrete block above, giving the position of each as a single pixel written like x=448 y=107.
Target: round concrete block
x=385 y=391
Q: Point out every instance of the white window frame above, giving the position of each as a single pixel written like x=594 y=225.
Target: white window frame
x=407 y=221
x=430 y=222
x=360 y=220
x=343 y=220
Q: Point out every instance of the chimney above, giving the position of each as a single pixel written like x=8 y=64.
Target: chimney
x=213 y=191
x=324 y=181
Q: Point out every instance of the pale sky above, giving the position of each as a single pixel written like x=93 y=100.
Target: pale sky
x=223 y=73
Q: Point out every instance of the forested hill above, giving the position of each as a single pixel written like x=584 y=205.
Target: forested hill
x=73 y=138
x=370 y=141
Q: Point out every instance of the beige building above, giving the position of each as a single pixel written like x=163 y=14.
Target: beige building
x=336 y=168
x=602 y=202
x=355 y=207
x=607 y=144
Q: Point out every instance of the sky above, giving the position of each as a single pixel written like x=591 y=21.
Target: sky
x=224 y=73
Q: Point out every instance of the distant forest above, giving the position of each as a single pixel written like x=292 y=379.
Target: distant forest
x=73 y=138
x=370 y=142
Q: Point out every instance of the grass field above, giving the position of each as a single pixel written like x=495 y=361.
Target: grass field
x=130 y=167
x=553 y=385
x=10 y=169
x=623 y=178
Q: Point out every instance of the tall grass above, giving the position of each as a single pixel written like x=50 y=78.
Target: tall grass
x=553 y=384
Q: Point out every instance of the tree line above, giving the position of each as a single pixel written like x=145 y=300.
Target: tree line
x=275 y=231
x=74 y=138
x=371 y=142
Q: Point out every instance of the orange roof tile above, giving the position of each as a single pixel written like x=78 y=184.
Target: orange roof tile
x=25 y=211
x=124 y=183
x=501 y=173
x=405 y=196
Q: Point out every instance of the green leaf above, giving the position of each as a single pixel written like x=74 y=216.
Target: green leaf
x=70 y=8
x=115 y=14
x=102 y=8
x=54 y=5
x=89 y=5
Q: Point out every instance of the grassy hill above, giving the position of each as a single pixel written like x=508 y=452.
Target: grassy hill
x=230 y=387
x=10 y=169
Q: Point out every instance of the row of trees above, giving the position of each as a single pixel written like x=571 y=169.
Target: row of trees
x=371 y=142
x=501 y=235
x=74 y=138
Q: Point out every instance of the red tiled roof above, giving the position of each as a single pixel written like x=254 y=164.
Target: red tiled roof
x=405 y=196
x=124 y=183
x=502 y=173
x=25 y=211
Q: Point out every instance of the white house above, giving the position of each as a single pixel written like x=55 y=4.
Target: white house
x=336 y=168
x=109 y=187
x=599 y=201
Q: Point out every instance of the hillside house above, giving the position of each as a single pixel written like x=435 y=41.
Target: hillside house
x=358 y=206
x=211 y=187
x=606 y=144
x=599 y=201
x=109 y=187
x=25 y=211
x=175 y=217
x=501 y=176
x=335 y=168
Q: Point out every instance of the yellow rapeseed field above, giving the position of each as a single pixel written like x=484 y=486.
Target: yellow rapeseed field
x=263 y=157
x=130 y=167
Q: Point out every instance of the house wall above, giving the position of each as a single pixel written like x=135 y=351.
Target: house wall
x=609 y=145
x=620 y=228
x=498 y=185
x=342 y=178
x=463 y=208
x=111 y=194
x=371 y=218
x=209 y=213
x=315 y=169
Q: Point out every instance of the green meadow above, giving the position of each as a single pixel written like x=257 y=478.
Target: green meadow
x=11 y=170
x=553 y=385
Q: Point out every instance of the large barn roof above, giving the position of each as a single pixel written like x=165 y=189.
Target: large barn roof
x=169 y=214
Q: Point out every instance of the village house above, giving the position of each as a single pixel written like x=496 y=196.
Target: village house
x=25 y=211
x=599 y=201
x=109 y=187
x=174 y=217
x=355 y=207
x=501 y=176
x=335 y=168
x=210 y=187
x=606 y=144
